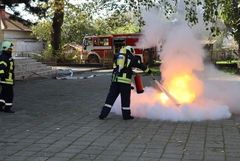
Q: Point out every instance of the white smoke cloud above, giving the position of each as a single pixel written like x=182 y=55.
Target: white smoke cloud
x=147 y=105
x=217 y=94
x=154 y=23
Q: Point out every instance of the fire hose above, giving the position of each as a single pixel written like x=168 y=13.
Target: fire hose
x=166 y=92
x=139 y=88
x=56 y=76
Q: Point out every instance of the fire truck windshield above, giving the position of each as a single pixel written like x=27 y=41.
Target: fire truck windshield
x=87 y=42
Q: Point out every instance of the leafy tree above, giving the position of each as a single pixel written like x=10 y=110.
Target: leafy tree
x=115 y=24
x=228 y=11
x=76 y=24
x=42 y=9
x=29 y=8
x=213 y=10
x=42 y=31
x=79 y=21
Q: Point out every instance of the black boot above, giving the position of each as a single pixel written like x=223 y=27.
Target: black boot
x=100 y=117
x=104 y=113
x=128 y=118
x=8 y=110
x=126 y=114
x=1 y=109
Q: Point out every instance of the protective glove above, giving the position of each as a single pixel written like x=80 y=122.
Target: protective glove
x=150 y=73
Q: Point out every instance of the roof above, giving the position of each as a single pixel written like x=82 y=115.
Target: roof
x=9 y=24
x=207 y=41
x=74 y=45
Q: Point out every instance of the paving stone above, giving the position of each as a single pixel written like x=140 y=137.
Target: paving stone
x=58 y=120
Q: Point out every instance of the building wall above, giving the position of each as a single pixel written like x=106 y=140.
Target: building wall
x=17 y=33
x=8 y=34
x=23 y=42
x=26 y=46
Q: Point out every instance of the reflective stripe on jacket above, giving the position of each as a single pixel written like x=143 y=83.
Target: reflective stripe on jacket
x=125 y=75
x=6 y=68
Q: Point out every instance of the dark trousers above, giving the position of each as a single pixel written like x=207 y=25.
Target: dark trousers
x=115 y=89
x=6 y=96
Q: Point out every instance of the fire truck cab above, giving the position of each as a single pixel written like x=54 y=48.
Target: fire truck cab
x=98 y=48
x=94 y=47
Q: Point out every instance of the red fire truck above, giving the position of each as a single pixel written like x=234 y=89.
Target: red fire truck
x=98 y=48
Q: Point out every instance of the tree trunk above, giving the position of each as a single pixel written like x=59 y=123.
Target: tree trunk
x=56 y=25
x=238 y=27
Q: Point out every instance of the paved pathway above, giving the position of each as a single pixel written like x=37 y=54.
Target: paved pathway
x=57 y=120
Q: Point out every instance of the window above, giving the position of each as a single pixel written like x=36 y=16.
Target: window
x=105 y=41
x=96 y=41
x=88 y=41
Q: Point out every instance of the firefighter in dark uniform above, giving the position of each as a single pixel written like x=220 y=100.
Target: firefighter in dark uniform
x=7 y=77
x=121 y=84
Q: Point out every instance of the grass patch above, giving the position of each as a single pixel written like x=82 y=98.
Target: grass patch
x=228 y=71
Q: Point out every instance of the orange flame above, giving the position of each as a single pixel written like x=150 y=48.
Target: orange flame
x=184 y=88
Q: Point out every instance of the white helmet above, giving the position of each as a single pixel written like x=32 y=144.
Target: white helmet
x=6 y=45
x=132 y=51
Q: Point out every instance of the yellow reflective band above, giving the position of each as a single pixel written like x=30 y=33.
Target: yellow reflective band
x=1 y=71
x=146 y=70
x=11 y=65
x=114 y=78
x=139 y=61
x=10 y=76
x=124 y=80
x=9 y=80
x=4 y=63
x=128 y=62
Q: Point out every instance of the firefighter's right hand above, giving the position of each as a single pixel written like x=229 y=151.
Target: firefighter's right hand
x=150 y=73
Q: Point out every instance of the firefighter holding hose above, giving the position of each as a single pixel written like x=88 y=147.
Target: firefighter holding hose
x=7 y=77
x=121 y=82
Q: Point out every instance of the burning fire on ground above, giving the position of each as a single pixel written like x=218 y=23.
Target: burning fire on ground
x=185 y=88
x=185 y=77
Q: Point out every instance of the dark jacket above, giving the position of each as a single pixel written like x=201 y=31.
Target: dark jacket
x=125 y=75
x=6 y=68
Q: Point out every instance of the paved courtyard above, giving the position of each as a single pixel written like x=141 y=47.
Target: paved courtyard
x=57 y=120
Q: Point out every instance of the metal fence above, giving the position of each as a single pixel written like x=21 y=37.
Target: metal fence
x=224 y=55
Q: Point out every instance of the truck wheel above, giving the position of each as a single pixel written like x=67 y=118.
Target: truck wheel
x=93 y=58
